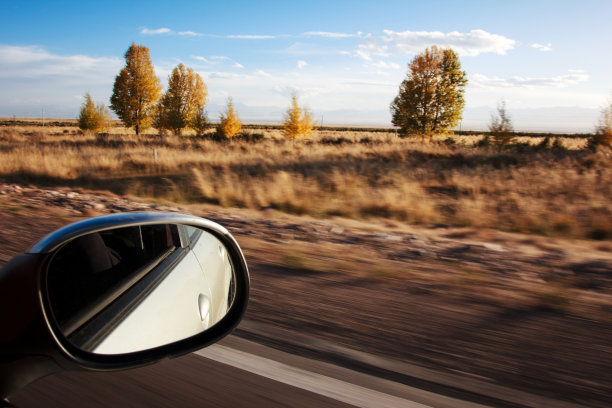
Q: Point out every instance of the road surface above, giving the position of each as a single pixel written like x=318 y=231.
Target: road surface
x=234 y=373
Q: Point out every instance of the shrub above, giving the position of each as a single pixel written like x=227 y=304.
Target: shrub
x=230 y=124
x=298 y=121
x=603 y=131
x=93 y=118
x=199 y=122
x=159 y=119
x=501 y=126
x=484 y=142
x=545 y=143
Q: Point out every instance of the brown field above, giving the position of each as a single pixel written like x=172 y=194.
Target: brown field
x=529 y=311
x=355 y=174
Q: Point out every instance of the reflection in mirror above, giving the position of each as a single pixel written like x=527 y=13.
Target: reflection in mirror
x=135 y=288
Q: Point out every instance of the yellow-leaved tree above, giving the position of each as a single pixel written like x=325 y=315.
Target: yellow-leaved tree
x=430 y=99
x=184 y=101
x=230 y=124
x=297 y=122
x=93 y=118
x=136 y=89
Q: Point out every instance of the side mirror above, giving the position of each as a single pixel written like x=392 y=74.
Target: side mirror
x=118 y=291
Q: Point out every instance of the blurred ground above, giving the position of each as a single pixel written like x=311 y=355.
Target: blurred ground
x=529 y=312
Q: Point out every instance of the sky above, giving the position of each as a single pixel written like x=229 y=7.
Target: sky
x=550 y=61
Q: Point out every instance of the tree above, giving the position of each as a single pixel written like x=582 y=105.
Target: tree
x=184 y=99
x=430 y=99
x=159 y=117
x=136 y=89
x=230 y=124
x=603 y=131
x=297 y=122
x=200 y=121
x=93 y=118
x=501 y=126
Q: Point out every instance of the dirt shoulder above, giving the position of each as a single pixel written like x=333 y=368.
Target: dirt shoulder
x=527 y=312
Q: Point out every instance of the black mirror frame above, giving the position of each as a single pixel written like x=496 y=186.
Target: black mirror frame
x=50 y=351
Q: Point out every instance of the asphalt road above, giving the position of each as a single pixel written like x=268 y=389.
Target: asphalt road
x=235 y=373
x=189 y=381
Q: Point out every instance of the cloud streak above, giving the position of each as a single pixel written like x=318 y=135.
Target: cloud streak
x=472 y=43
x=217 y=60
x=36 y=62
x=251 y=37
x=541 y=47
x=168 y=31
x=156 y=31
x=327 y=34
x=560 y=81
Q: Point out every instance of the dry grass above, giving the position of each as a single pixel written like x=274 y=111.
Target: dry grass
x=358 y=174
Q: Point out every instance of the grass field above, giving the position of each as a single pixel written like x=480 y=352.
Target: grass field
x=351 y=173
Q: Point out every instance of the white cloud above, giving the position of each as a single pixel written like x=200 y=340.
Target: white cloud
x=251 y=37
x=385 y=65
x=543 y=48
x=225 y=75
x=32 y=78
x=301 y=64
x=217 y=60
x=156 y=31
x=36 y=62
x=189 y=33
x=166 y=30
x=372 y=46
x=560 y=81
x=472 y=43
x=328 y=34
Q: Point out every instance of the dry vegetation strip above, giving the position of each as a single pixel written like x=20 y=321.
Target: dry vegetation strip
x=356 y=174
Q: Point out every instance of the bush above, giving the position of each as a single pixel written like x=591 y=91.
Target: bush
x=93 y=118
x=484 y=142
x=298 y=121
x=230 y=124
x=501 y=127
x=199 y=123
x=603 y=131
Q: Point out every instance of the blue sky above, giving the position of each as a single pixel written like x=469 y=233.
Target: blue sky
x=549 y=60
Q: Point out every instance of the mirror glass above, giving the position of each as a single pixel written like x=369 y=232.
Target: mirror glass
x=135 y=288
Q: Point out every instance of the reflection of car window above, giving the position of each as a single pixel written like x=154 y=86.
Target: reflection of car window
x=192 y=232
x=91 y=270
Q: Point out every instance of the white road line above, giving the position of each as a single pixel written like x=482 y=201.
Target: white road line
x=313 y=382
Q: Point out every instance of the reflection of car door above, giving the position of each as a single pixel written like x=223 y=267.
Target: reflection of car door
x=217 y=268
x=155 y=321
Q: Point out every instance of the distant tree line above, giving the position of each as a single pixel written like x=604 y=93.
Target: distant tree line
x=430 y=101
x=138 y=101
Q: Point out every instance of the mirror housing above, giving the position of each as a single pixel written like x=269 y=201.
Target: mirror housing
x=33 y=345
